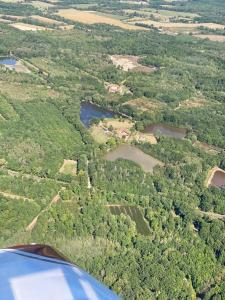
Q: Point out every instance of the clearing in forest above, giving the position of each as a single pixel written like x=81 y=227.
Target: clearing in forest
x=28 y=27
x=99 y=134
x=208 y=148
x=69 y=167
x=144 y=104
x=134 y=213
x=89 y=17
x=130 y=63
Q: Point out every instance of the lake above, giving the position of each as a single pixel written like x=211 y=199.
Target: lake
x=8 y=61
x=145 y=161
x=167 y=130
x=218 y=179
x=90 y=111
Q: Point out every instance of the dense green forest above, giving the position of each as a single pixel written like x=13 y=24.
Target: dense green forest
x=183 y=256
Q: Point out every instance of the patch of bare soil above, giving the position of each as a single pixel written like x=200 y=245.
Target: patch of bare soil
x=130 y=63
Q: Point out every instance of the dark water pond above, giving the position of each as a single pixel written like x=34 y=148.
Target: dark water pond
x=134 y=154
x=218 y=179
x=8 y=61
x=90 y=111
x=167 y=130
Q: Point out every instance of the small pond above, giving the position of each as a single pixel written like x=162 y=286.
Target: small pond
x=167 y=130
x=8 y=61
x=134 y=154
x=218 y=179
x=90 y=111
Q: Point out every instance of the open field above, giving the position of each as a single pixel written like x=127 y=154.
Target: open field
x=69 y=167
x=162 y=15
x=42 y=5
x=99 y=134
x=143 y=137
x=28 y=27
x=118 y=124
x=93 y=18
x=113 y=88
x=46 y=20
x=193 y=103
x=25 y=92
x=130 y=63
x=134 y=213
x=211 y=37
x=143 y=104
x=173 y=26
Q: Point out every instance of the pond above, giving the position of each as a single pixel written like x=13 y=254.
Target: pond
x=8 y=61
x=90 y=111
x=167 y=130
x=145 y=161
x=218 y=179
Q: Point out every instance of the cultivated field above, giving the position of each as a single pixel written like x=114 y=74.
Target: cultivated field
x=93 y=18
x=134 y=213
x=46 y=20
x=162 y=15
x=175 y=26
x=42 y=5
x=211 y=37
x=28 y=27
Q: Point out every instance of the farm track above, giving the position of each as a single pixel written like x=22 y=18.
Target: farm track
x=14 y=196
x=212 y=215
x=31 y=176
x=54 y=200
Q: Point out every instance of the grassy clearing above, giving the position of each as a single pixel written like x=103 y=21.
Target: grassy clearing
x=143 y=104
x=98 y=134
x=93 y=18
x=118 y=124
x=26 y=91
x=69 y=167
